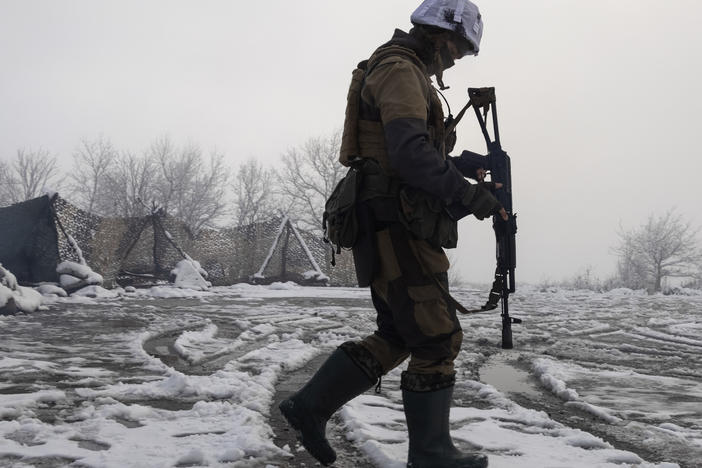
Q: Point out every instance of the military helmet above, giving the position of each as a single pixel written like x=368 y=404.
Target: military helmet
x=459 y=16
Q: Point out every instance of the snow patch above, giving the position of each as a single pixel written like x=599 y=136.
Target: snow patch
x=7 y=278
x=27 y=299
x=6 y=294
x=51 y=290
x=166 y=292
x=190 y=343
x=288 y=285
x=12 y=405
x=14 y=297
x=550 y=375
x=190 y=275
x=96 y=292
x=74 y=276
x=76 y=249
x=315 y=275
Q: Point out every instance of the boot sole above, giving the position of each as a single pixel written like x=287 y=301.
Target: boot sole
x=287 y=409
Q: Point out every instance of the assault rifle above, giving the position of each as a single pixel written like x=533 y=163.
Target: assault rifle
x=498 y=164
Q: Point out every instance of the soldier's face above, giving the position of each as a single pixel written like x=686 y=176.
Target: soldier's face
x=454 y=50
x=450 y=52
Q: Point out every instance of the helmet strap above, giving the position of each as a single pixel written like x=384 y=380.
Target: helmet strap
x=439 y=41
x=436 y=39
x=439 y=69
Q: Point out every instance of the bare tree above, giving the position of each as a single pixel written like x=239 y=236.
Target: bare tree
x=128 y=183
x=254 y=191
x=173 y=169
x=179 y=180
x=696 y=281
x=29 y=176
x=455 y=277
x=92 y=163
x=631 y=267
x=203 y=201
x=187 y=186
x=6 y=184
x=310 y=173
x=664 y=247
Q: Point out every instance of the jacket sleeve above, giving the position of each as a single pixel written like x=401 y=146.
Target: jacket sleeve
x=401 y=92
x=419 y=164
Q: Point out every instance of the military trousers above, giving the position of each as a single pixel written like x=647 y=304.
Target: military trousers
x=413 y=318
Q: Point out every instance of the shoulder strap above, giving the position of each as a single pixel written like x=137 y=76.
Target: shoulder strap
x=390 y=51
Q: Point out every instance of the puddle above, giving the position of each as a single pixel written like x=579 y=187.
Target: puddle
x=39 y=462
x=128 y=423
x=191 y=434
x=25 y=437
x=93 y=445
x=169 y=405
x=501 y=371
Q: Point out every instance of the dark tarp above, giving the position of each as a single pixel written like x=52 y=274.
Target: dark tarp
x=28 y=241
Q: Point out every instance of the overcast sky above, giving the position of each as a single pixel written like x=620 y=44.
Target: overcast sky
x=599 y=101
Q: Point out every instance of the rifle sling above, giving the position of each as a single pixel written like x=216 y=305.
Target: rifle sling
x=444 y=292
x=416 y=274
x=458 y=118
x=451 y=299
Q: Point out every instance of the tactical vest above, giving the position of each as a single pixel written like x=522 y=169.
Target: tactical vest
x=363 y=135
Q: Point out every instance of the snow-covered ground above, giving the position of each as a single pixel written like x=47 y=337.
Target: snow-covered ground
x=170 y=377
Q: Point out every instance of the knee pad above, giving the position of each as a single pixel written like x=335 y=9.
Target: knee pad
x=363 y=359
x=426 y=382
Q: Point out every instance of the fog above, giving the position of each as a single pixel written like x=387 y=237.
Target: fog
x=598 y=101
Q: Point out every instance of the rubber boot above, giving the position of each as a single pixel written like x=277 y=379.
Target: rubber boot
x=336 y=382
x=430 y=443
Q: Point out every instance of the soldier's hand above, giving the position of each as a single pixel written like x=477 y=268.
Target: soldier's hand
x=501 y=212
x=481 y=202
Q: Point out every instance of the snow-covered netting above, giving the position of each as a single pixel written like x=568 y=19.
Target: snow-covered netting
x=280 y=243
x=144 y=250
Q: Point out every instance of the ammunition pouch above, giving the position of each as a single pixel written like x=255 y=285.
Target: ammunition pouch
x=364 y=182
x=340 y=220
x=427 y=217
x=380 y=192
x=367 y=198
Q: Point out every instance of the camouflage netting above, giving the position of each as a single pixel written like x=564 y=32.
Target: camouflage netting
x=236 y=254
x=34 y=238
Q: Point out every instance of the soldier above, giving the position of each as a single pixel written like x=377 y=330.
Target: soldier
x=395 y=127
